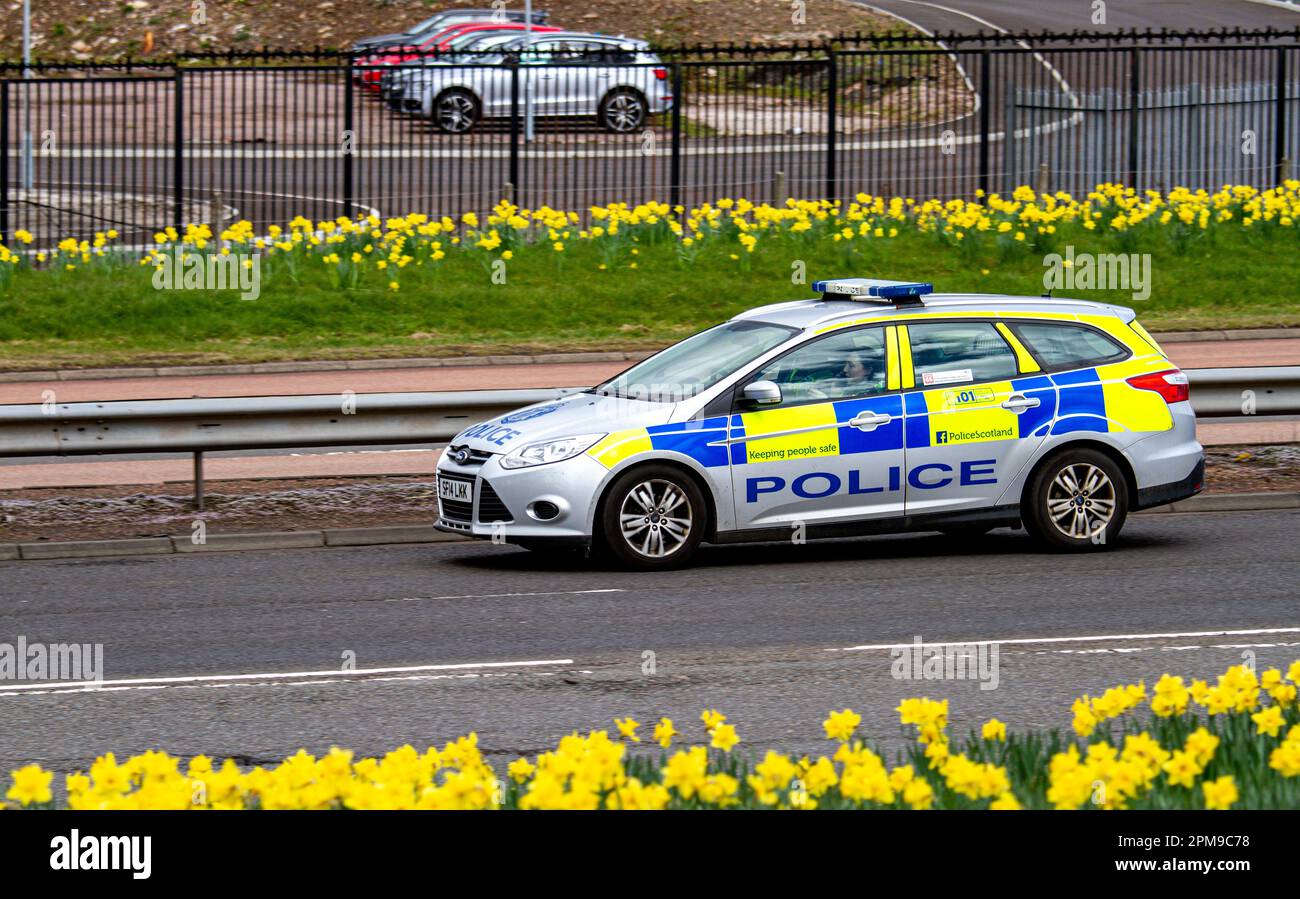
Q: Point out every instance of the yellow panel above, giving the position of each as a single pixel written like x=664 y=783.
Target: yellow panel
x=782 y=447
x=1142 y=332
x=1131 y=409
x=620 y=445
x=971 y=414
x=905 y=357
x=891 y=359
x=1023 y=356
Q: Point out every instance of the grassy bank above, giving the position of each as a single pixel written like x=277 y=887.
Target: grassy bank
x=629 y=278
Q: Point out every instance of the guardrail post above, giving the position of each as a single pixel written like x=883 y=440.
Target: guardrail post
x=832 y=83
x=198 y=481
x=675 y=163
x=1134 y=99
x=1279 y=122
x=4 y=161
x=984 y=120
x=349 y=138
x=178 y=150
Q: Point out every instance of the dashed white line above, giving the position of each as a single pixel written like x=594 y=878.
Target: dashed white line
x=1083 y=639
x=325 y=676
x=506 y=595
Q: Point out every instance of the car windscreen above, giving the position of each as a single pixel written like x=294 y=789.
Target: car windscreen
x=697 y=363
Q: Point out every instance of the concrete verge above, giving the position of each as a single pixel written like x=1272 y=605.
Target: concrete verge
x=1238 y=502
x=425 y=533
x=84 y=549
x=251 y=540
x=397 y=533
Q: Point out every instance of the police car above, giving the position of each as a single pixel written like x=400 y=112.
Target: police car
x=878 y=407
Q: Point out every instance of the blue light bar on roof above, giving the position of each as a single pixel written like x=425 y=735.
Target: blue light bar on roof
x=873 y=289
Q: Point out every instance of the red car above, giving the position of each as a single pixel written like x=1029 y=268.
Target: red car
x=440 y=42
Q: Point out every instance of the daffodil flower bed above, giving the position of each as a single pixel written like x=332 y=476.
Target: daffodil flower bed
x=623 y=276
x=1234 y=744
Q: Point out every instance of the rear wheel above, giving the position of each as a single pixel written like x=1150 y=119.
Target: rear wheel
x=455 y=111
x=653 y=518
x=622 y=111
x=1077 y=501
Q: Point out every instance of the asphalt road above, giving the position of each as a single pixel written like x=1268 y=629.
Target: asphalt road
x=240 y=653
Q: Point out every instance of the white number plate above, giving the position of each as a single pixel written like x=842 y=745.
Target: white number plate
x=461 y=491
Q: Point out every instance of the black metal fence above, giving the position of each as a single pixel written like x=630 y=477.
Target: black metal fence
x=138 y=146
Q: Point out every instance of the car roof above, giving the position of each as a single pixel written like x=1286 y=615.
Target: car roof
x=818 y=313
x=590 y=36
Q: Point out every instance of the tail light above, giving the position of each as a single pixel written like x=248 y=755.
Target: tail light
x=661 y=74
x=1172 y=385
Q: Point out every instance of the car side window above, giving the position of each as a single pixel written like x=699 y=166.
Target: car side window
x=539 y=54
x=1061 y=346
x=839 y=366
x=959 y=353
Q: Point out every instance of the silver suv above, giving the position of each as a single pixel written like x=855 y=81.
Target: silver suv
x=615 y=79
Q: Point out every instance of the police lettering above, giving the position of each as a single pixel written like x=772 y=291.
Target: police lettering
x=491 y=433
x=932 y=475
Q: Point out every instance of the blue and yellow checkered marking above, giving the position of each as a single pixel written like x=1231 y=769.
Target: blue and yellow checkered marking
x=1091 y=399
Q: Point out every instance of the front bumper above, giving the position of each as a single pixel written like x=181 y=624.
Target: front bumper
x=510 y=504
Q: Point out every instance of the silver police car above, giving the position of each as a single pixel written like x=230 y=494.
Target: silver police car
x=878 y=407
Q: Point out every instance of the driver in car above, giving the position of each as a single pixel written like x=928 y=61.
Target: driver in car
x=858 y=375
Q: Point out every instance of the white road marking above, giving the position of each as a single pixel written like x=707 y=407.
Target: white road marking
x=332 y=675
x=507 y=595
x=1084 y=639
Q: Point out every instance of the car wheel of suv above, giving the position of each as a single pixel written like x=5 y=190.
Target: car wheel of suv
x=1077 y=501
x=653 y=518
x=455 y=111
x=622 y=111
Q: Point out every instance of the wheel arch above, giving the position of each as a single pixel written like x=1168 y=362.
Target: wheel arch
x=1111 y=452
x=710 y=501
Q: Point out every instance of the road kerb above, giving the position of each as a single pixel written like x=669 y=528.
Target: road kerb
x=419 y=533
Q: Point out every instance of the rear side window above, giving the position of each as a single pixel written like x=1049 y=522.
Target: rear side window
x=959 y=353
x=1060 y=346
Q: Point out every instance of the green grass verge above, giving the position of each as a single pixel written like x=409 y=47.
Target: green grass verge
x=108 y=313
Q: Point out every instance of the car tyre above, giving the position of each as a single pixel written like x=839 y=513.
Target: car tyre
x=456 y=111
x=653 y=518
x=623 y=111
x=1077 y=501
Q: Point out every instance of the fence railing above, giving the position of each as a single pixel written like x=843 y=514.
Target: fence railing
x=136 y=146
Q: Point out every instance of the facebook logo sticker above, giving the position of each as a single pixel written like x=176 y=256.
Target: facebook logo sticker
x=940 y=436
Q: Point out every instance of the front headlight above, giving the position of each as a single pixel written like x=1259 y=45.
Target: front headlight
x=546 y=451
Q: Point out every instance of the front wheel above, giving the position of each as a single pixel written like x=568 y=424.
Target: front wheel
x=1077 y=501
x=653 y=518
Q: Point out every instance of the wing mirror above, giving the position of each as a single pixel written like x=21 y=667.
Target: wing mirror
x=762 y=393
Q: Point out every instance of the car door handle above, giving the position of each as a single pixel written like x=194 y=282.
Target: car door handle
x=869 y=421
x=1019 y=403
